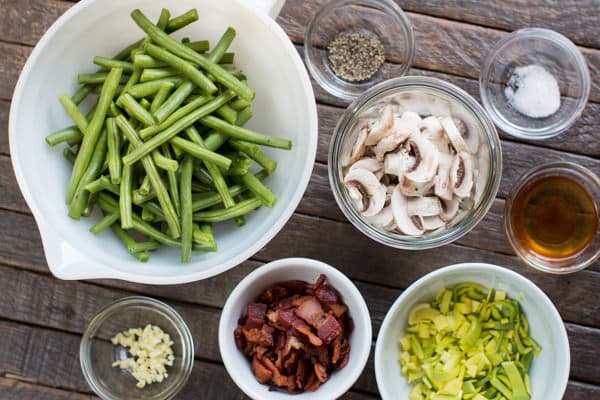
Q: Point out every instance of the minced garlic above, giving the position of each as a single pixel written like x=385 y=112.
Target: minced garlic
x=151 y=353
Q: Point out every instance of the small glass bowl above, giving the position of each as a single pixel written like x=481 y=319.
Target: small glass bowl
x=97 y=353
x=588 y=180
x=441 y=99
x=381 y=19
x=554 y=52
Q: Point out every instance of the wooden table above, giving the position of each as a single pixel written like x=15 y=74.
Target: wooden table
x=42 y=318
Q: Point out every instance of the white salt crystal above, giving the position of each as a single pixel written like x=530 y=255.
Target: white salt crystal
x=533 y=91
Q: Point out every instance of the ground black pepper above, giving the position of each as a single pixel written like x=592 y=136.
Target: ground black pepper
x=355 y=57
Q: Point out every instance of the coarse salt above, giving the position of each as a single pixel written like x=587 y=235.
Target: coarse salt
x=533 y=91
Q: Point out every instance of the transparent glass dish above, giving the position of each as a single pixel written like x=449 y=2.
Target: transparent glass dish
x=584 y=177
x=97 y=353
x=382 y=19
x=555 y=53
x=426 y=96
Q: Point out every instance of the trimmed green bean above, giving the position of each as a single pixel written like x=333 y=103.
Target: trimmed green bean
x=126 y=52
x=145 y=187
x=228 y=114
x=115 y=165
x=144 y=246
x=133 y=79
x=68 y=134
x=135 y=110
x=150 y=74
x=203 y=236
x=186 y=68
x=227 y=58
x=125 y=195
x=259 y=190
x=82 y=93
x=202 y=153
x=152 y=172
x=244 y=116
x=255 y=153
x=238 y=132
x=147 y=215
x=176 y=116
x=202 y=201
x=109 y=63
x=214 y=140
x=129 y=242
x=74 y=112
x=149 y=88
x=222 y=45
x=185 y=192
x=163 y=162
x=146 y=61
x=177 y=127
x=140 y=199
x=69 y=155
x=172 y=181
x=241 y=208
x=161 y=38
x=182 y=20
x=155 y=209
x=102 y=183
x=163 y=19
x=89 y=207
x=173 y=101
x=97 y=78
x=203 y=177
x=93 y=132
x=240 y=104
x=161 y=96
x=200 y=46
x=105 y=222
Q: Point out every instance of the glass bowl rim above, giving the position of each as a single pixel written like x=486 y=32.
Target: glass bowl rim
x=560 y=167
x=583 y=74
x=119 y=304
x=492 y=183
x=388 y=6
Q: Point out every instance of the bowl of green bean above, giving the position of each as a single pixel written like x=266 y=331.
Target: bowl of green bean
x=159 y=142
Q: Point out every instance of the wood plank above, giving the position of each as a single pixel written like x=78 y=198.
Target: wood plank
x=576 y=19
x=4 y=109
x=12 y=389
x=12 y=60
x=581 y=391
x=11 y=195
x=25 y=21
x=452 y=47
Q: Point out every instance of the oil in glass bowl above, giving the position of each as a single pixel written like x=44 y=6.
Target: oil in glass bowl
x=554 y=217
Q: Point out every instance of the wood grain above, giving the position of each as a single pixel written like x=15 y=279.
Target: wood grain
x=11 y=62
x=440 y=45
x=576 y=19
x=12 y=389
x=4 y=109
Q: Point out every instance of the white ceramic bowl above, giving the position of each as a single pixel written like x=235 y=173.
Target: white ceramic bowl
x=284 y=106
x=307 y=270
x=549 y=371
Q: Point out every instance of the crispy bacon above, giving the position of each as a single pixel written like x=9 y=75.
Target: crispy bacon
x=295 y=334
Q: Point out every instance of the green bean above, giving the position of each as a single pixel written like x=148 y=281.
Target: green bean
x=69 y=155
x=177 y=127
x=128 y=241
x=93 y=132
x=135 y=110
x=227 y=113
x=147 y=215
x=94 y=168
x=150 y=74
x=109 y=63
x=199 y=46
x=155 y=209
x=73 y=111
x=146 y=61
x=172 y=181
x=202 y=153
x=64 y=135
x=185 y=192
x=160 y=96
x=259 y=190
x=202 y=201
x=241 y=208
x=238 y=132
x=133 y=79
x=163 y=162
x=145 y=187
x=203 y=177
x=115 y=166
x=255 y=153
x=203 y=236
x=97 y=78
x=244 y=116
x=182 y=20
x=176 y=116
x=81 y=94
x=240 y=104
x=102 y=183
x=163 y=19
x=140 y=199
x=186 y=68
x=105 y=222
x=177 y=151
x=239 y=166
x=144 y=246
x=174 y=101
x=152 y=172
x=227 y=58
x=126 y=52
x=125 y=195
x=214 y=140
x=161 y=38
x=149 y=88
x=89 y=207
x=223 y=44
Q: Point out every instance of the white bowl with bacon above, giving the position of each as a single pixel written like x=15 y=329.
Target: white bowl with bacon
x=305 y=315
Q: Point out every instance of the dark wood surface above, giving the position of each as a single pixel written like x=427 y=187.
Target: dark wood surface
x=42 y=318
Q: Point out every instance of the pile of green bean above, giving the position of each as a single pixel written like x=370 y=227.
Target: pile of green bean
x=162 y=152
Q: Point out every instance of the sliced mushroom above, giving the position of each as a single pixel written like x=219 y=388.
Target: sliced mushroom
x=411 y=188
x=397 y=163
x=380 y=127
x=358 y=149
x=461 y=174
x=406 y=224
x=389 y=144
x=370 y=164
x=431 y=128
x=431 y=223
x=426 y=159
x=424 y=206
x=468 y=128
x=454 y=134
x=481 y=174
x=382 y=219
x=372 y=193
x=412 y=117
x=443 y=189
x=449 y=209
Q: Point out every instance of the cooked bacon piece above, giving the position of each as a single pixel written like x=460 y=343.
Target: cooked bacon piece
x=336 y=350
x=330 y=329
x=327 y=294
x=344 y=361
x=312 y=312
x=262 y=336
x=255 y=315
x=312 y=383
x=262 y=373
x=238 y=335
x=321 y=373
x=337 y=309
x=294 y=286
x=289 y=318
x=278 y=379
x=302 y=373
x=320 y=281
